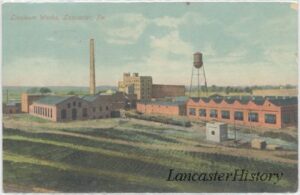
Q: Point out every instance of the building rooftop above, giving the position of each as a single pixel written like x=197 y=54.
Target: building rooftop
x=285 y=101
x=90 y=98
x=165 y=103
x=52 y=100
x=258 y=100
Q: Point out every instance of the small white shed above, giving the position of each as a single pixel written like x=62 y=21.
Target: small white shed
x=216 y=131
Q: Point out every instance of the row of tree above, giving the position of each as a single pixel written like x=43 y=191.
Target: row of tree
x=42 y=90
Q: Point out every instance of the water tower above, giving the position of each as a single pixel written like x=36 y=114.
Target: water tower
x=199 y=72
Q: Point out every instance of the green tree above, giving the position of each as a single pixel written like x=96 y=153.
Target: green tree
x=71 y=93
x=227 y=90
x=44 y=90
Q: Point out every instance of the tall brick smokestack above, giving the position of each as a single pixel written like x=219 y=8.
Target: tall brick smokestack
x=92 y=68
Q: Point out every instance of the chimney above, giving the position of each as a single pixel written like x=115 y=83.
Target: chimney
x=92 y=68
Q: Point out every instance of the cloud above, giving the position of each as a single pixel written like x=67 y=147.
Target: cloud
x=167 y=60
x=51 y=39
x=124 y=28
x=171 y=43
x=127 y=28
x=175 y=22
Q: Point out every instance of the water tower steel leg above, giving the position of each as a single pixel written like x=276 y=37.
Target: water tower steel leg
x=191 y=82
x=198 y=77
x=205 y=82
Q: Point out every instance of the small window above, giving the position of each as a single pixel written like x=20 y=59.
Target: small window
x=74 y=103
x=270 y=118
x=100 y=108
x=69 y=105
x=106 y=107
x=84 y=112
x=238 y=115
x=213 y=132
x=202 y=112
x=63 y=114
x=94 y=109
x=253 y=117
x=225 y=114
x=192 y=111
x=213 y=113
x=79 y=104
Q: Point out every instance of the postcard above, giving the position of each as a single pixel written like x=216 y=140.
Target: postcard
x=150 y=97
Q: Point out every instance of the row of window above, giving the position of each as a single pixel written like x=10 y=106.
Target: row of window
x=100 y=108
x=47 y=112
x=63 y=113
x=238 y=115
x=74 y=104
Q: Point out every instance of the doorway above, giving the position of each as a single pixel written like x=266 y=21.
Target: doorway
x=74 y=114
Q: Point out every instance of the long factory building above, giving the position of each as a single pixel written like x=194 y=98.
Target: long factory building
x=270 y=112
x=68 y=108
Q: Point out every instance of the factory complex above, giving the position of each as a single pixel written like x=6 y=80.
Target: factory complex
x=139 y=93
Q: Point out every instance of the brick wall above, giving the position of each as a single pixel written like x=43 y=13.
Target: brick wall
x=246 y=109
x=160 y=91
x=172 y=110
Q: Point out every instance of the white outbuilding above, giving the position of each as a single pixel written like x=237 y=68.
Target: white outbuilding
x=216 y=131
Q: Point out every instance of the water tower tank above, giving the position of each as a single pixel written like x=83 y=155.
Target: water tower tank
x=198 y=63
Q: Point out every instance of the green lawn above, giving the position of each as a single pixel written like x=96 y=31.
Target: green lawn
x=112 y=156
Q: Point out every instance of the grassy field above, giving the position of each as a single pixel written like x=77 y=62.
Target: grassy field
x=117 y=155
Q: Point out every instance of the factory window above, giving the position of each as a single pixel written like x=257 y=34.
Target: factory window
x=79 y=104
x=270 y=118
x=63 y=114
x=238 y=116
x=225 y=114
x=253 y=117
x=94 y=109
x=84 y=112
x=74 y=103
x=285 y=117
x=100 y=108
x=106 y=107
x=192 y=111
x=202 y=112
x=213 y=113
x=69 y=105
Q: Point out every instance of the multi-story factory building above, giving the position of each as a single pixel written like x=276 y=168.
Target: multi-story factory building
x=144 y=88
x=135 y=84
x=262 y=112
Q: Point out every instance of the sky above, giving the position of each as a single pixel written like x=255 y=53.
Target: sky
x=242 y=43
